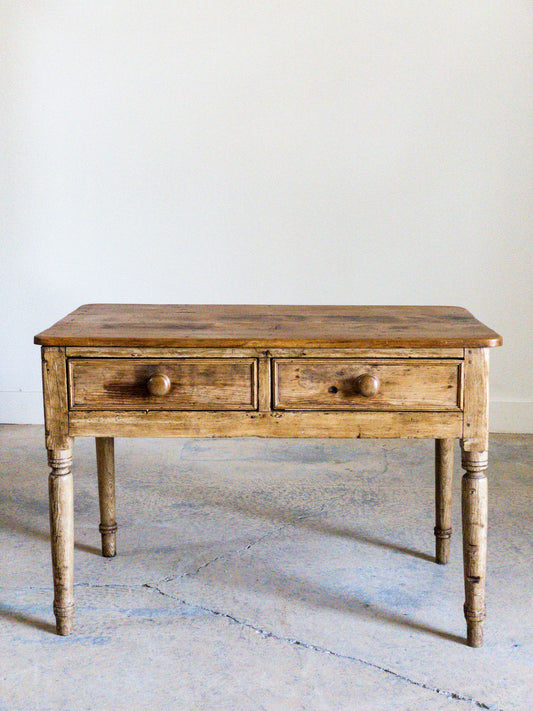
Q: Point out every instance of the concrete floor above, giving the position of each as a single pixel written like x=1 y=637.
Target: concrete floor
x=263 y=574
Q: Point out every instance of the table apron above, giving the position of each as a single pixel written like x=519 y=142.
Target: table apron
x=359 y=424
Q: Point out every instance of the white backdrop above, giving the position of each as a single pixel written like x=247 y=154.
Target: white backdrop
x=340 y=151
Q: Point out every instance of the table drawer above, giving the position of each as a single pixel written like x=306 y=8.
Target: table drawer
x=162 y=384
x=344 y=384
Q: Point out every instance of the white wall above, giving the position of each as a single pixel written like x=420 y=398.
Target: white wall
x=339 y=151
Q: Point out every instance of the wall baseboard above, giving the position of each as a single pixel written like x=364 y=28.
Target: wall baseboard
x=26 y=408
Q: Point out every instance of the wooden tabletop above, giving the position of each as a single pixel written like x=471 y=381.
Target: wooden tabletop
x=269 y=326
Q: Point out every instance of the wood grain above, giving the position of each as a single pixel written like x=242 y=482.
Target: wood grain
x=266 y=424
x=105 y=463
x=475 y=517
x=443 y=498
x=217 y=371
x=222 y=352
x=269 y=326
x=55 y=398
x=476 y=400
x=61 y=499
x=474 y=444
x=195 y=384
x=332 y=384
x=264 y=384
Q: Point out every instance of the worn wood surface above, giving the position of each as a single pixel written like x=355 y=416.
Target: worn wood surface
x=269 y=326
x=264 y=385
x=222 y=352
x=475 y=517
x=266 y=424
x=443 y=498
x=476 y=400
x=195 y=384
x=62 y=537
x=217 y=371
x=105 y=464
x=55 y=398
x=474 y=444
x=332 y=384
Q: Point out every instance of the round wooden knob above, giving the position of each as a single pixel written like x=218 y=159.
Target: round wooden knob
x=158 y=384
x=367 y=385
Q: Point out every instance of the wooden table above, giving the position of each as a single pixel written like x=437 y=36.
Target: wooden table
x=112 y=370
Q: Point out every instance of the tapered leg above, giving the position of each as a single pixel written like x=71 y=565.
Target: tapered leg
x=474 y=542
x=62 y=537
x=443 y=498
x=105 y=462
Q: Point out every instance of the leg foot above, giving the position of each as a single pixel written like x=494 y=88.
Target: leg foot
x=442 y=549
x=64 y=620
x=62 y=537
x=474 y=633
x=443 y=498
x=105 y=461
x=474 y=504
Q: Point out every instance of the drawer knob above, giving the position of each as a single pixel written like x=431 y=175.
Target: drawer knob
x=158 y=384
x=367 y=385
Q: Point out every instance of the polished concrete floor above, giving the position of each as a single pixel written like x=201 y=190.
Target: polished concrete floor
x=263 y=574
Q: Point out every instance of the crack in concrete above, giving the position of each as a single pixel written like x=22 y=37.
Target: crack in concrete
x=269 y=534
x=228 y=554
x=266 y=634
x=110 y=585
x=322 y=650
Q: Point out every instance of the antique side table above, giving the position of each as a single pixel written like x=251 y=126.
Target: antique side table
x=112 y=370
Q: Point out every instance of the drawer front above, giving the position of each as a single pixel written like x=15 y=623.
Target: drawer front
x=339 y=384
x=183 y=384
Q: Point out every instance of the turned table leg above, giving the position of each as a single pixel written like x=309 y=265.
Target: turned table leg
x=474 y=499
x=62 y=537
x=443 y=498
x=105 y=462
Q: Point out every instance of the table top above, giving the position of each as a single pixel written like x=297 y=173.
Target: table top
x=170 y=325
